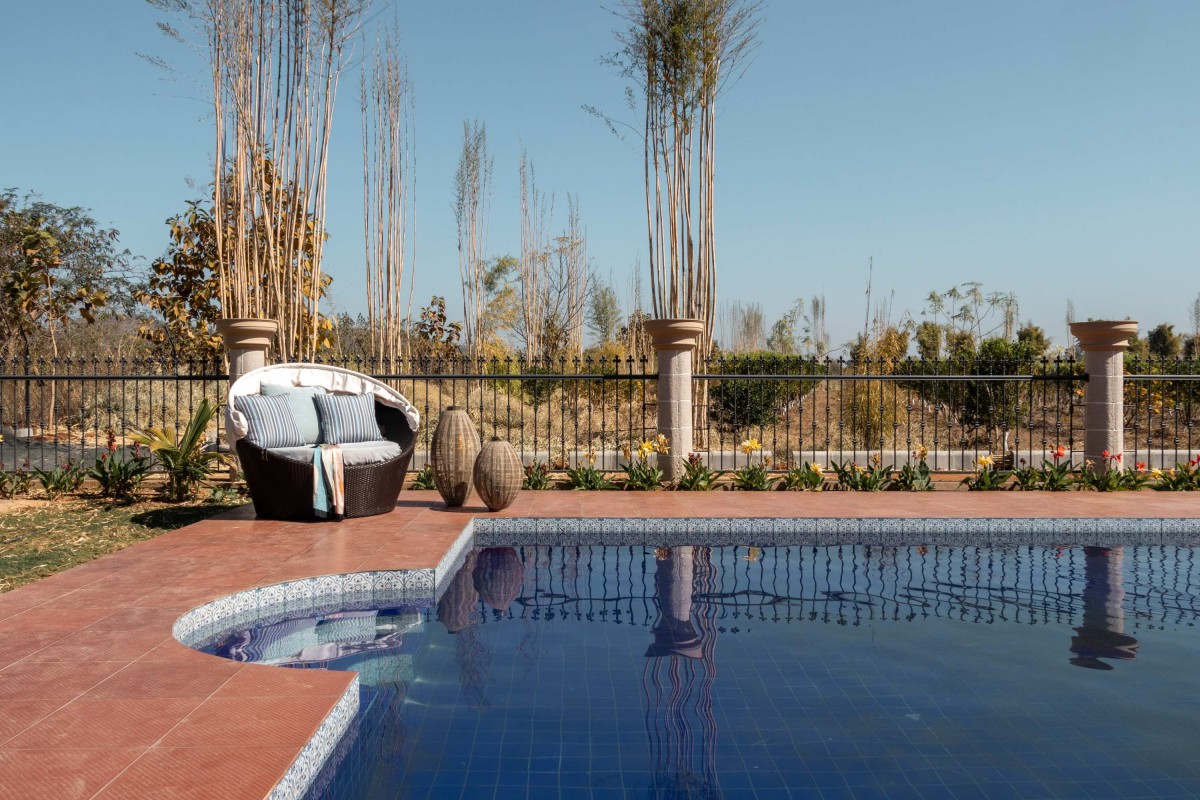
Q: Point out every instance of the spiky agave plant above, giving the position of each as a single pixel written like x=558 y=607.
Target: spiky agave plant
x=182 y=455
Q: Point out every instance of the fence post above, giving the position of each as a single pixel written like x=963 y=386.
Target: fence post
x=674 y=340
x=1103 y=343
x=246 y=343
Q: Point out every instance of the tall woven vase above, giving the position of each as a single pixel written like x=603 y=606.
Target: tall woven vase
x=455 y=446
x=498 y=474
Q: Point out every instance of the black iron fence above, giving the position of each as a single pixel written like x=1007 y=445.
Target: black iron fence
x=558 y=412
x=555 y=411
x=562 y=412
x=58 y=410
x=1162 y=410
x=836 y=410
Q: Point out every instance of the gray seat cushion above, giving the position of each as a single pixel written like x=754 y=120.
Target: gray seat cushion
x=353 y=455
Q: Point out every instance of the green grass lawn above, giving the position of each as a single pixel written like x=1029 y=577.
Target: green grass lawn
x=39 y=538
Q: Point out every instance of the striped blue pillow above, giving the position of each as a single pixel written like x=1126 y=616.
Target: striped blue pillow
x=269 y=420
x=347 y=418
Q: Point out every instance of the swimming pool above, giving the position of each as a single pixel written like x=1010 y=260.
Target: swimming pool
x=817 y=672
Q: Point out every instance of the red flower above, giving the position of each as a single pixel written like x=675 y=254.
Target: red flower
x=1141 y=465
x=1104 y=454
x=1061 y=452
x=1117 y=457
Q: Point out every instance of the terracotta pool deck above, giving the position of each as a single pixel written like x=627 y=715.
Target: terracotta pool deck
x=98 y=699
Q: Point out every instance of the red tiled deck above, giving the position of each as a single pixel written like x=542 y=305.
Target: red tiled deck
x=100 y=701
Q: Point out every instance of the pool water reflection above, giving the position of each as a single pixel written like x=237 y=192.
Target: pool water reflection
x=789 y=672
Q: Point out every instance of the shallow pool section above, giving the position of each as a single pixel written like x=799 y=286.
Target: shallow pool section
x=828 y=671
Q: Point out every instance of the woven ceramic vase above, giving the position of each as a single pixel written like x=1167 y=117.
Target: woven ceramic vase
x=455 y=446
x=498 y=474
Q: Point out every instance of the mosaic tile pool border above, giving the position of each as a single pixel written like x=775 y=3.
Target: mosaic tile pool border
x=302 y=774
x=307 y=597
x=876 y=531
x=364 y=590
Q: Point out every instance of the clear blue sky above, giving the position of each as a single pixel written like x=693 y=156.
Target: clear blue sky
x=1047 y=148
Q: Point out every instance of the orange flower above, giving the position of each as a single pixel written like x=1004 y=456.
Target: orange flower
x=1060 y=452
x=1141 y=466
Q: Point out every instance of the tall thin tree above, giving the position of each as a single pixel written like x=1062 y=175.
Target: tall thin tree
x=683 y=55
x=472 y=198
x=275 y=67
x=389 y=196
x=536 y=210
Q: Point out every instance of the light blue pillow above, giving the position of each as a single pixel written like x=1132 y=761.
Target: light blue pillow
x=269 y=421
x=300 y=398
x=347 y=418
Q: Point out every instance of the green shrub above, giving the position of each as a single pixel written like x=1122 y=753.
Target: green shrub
x=587 y=477
x=742 y=403
x=424 y=479
x=64 y=478
x=853 y=478
x=537 y=477
x=697 y=477
x=183 y=456
x=809 y=478
x=120 y=475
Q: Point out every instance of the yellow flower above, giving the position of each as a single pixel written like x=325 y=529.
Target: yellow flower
x=628 y=454
x=645 y=449
x=817 y=468
x=662 y=444
x=985 y=461
x=921 y=453
x=752 y=553
x=751 y=445
x=590 y=456
x=1156 y=472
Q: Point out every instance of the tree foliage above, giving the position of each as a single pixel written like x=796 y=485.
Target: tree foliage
x=604 y=313
x=681 y=55
x=56 y=264
x=183 y=288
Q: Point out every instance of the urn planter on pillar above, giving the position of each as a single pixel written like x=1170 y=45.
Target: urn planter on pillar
x=452 y=454
x=674 y=340
x=498 y=474
x=246 y=342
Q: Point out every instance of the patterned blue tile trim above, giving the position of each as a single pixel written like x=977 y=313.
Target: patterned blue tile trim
x=301 y=598
x=619 y=531
x=296 y=782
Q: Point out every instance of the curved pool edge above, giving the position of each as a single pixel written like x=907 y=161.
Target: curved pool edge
x=366 y=589
x=311 y=596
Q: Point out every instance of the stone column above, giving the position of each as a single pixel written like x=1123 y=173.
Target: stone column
x=246 y=343
x=674 y=341
x=1103 y=344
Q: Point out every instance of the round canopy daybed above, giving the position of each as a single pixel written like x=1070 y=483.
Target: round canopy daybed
x=281 y=480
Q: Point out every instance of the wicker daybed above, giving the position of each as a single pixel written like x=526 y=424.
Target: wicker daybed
x=281 y=487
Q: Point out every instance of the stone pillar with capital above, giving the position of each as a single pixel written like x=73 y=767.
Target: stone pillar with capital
x=246 y=343
x=674 y=340
x=1103 y=344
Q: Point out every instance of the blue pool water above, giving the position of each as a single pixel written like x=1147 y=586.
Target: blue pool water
x=852 y=672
